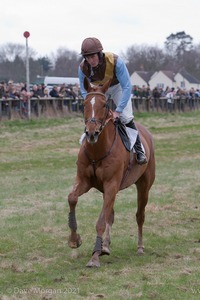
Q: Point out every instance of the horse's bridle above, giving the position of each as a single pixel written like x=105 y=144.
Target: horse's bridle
x=103 y=123
x=94 y=120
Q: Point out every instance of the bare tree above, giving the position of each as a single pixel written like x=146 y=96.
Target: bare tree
x=144 y=58
x=9 y=51
x=66 y=63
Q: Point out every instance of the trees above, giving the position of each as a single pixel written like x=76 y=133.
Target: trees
x=178 y=47
x=12 y=62
x=66 y=63
x=45 y=64
x=179 y=43
x=181 y=52
x=10 y=51
x=144 y=58
x=178 y=52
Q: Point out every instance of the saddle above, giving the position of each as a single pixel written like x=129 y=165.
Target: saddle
x=122 y=129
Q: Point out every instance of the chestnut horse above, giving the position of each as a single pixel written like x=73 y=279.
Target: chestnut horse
x=105 y=164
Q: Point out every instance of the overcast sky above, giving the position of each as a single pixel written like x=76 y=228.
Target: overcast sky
x=119 y=24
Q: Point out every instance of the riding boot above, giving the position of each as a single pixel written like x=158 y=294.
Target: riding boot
x=140 y=155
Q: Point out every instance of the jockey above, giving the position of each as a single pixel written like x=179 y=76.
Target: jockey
x=99 y=67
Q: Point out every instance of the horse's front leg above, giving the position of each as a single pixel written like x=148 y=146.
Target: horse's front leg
x=107 y=234
x=103 y=224
x=74 y=238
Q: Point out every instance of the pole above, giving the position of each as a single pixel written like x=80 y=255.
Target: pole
x=28 y=81
x=26 y=35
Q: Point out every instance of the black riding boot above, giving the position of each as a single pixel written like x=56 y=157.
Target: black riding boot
x=140 y=155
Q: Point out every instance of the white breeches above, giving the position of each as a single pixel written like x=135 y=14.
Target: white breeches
x=115 y=93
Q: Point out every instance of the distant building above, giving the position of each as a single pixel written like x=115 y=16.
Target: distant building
x=141 y=78
x=184 y=80
x=164 y=78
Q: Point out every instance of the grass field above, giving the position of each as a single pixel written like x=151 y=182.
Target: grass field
x=37 y=169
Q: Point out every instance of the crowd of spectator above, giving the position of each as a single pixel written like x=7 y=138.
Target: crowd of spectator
x=158 y=95
x=19 y=95
x=146 y=92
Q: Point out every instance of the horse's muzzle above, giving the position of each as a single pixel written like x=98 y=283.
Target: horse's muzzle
x=92 y=137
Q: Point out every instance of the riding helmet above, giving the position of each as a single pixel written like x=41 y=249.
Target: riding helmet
x=91 y=45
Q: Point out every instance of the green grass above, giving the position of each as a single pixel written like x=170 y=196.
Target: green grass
x=37 y=170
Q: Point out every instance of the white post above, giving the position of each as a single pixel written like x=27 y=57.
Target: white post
x=26 y=35
x=27 y=80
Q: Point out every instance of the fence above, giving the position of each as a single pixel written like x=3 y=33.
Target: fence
x=12 y=108
x=43 y=107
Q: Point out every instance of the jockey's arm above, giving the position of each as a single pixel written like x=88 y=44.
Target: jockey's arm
x=124 y=80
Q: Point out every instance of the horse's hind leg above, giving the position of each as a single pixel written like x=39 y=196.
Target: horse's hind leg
x=143 y=186
x=142 y=199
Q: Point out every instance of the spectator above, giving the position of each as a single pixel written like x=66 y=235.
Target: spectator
x=156 y=96
x=24 y=102
x=40 y=91
x=76 y=90
x=4 y=96
x=46 y=93
x=63 y=90
x=2 y=90
x=34 y=94
x=170 y=100
x=192 y=98
x=54 y=93
x=197 y=93
x=14 y=95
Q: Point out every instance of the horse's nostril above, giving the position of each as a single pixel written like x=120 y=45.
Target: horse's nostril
x=96 y=132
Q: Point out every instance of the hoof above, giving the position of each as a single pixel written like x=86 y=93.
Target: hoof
x=75 y=244
x=105 y=251
x=93 y=263
x=140 y=250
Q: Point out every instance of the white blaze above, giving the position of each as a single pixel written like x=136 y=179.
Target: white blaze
x=92 y=101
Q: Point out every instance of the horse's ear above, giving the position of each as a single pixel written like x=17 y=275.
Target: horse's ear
x=87 y=85
x=106 y=85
